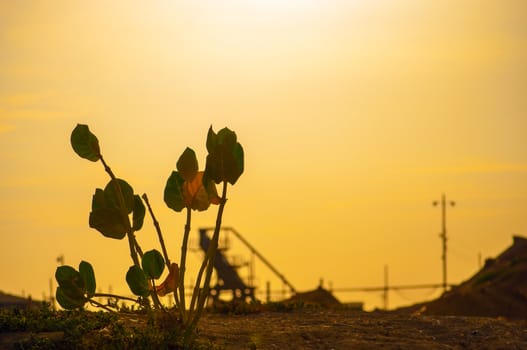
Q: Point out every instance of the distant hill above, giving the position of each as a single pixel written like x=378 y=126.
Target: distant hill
x=498 y=289
x=8 y=301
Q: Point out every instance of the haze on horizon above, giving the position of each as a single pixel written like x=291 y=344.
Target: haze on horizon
x=354 y=116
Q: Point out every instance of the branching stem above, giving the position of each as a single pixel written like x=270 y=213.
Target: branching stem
x=209 y=263
x=158 y=230
x=183 y=262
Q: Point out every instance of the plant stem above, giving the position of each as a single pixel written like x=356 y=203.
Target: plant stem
x=157 y=302
x=137 y=246
x=161 y=241
x=107 y=168
x=211 y=253
x=181 y=284
x=96 y=303
x=158 y=229
x=106 y=295
x=131 y=239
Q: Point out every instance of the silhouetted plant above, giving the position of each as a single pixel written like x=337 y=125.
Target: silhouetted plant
x=186 y=189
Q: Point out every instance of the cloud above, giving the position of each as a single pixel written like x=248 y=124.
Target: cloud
x=25 y=106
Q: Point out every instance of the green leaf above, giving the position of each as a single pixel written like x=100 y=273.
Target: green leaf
x=211 y=140
x=136 y=279
x=187 y=164
x=88 y=277
x=98 y=200
x=139 y=213
x=174 y=192
x=153 y=264
x=239 y=156
x=67 y=302
x=225 y=159
x=71 y=281
x=109 y=222
x=111 y=192
x=226 y=137
x=84 y=143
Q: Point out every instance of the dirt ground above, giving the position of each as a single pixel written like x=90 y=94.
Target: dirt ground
x=349 y=329
x=327 y=329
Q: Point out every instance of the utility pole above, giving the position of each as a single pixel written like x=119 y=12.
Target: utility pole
x=443 y=235
x=386 y=288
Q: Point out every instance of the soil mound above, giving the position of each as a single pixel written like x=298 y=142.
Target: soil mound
x=319 y=296
x=498 y=289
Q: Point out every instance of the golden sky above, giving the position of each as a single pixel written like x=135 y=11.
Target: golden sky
x=354 y=116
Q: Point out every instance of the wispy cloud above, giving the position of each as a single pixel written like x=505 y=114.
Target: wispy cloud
x=25 y=106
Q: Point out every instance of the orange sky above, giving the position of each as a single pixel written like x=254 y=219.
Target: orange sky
x=354 y=116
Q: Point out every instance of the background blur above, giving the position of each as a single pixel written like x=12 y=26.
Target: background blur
x=354 y=116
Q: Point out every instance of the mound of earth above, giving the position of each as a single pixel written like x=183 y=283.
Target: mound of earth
x=319 y=296
x=498 y=289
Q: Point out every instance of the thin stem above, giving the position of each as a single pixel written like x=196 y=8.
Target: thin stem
x=106 y=295
x=131 y=239
x=137 y=246
x=211 y=252
x=157 y=302
x=158 y=229
x=182 y=265
x=100 y=305
x=107 y=168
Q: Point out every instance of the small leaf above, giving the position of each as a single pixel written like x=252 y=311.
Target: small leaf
x=195 y=195
x=239 y=166
x=136 y=279
x=84 y=143
x=71 y=281
x=226 y=137
x=139 y=213
x=174 y=192
x=67 y=302
x=109 y=222
x=98 y=200
x=65 y=273
x=170 y=283
x=211 y=140
x=225 y=158
x=88 y=277
x=187 y=164
x=153 y=264
x=111 y=192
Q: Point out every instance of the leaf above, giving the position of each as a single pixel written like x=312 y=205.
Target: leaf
x=65 y=273
x=170 y=283
x=84 y=143
x=174 y=192
x=187 y=164
x=139 y=213
x=195 y=195
x=238 y=154
x=71 y=281
x=111 y=192
x=109 y=222
x=67 y=302
x=153 y=264
x=212 y=140
x=226 y=137
x=88 y=277
x=136 y=279
x=225 y=158
x=98 y=200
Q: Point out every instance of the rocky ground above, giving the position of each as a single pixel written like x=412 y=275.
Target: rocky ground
x=303 y=328
x=347 y=329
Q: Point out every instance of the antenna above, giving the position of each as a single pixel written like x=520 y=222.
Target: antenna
x=443 y=235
